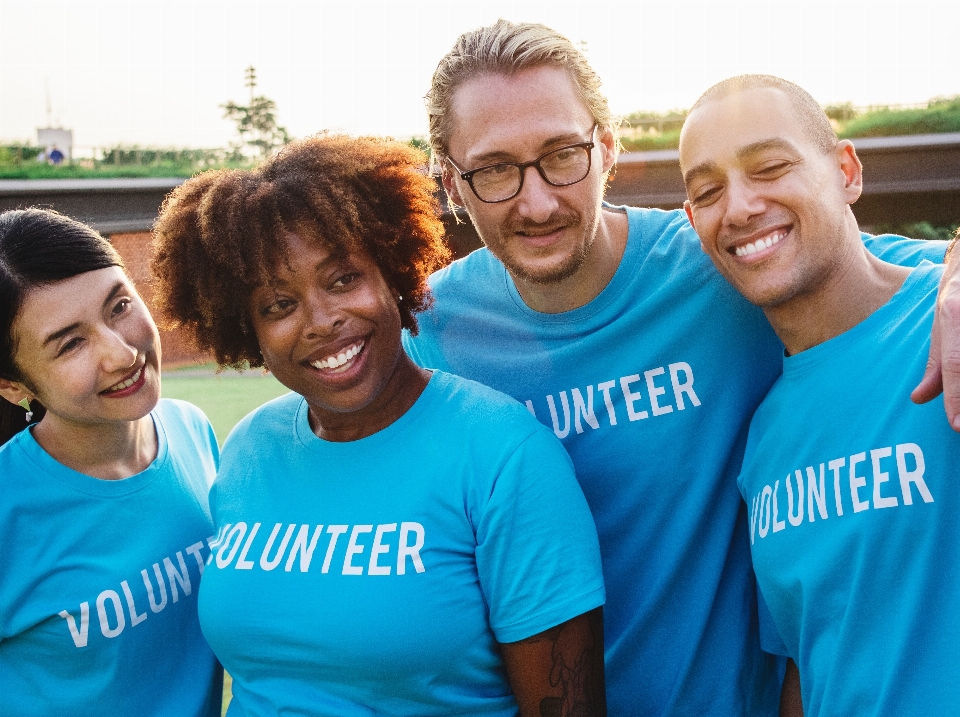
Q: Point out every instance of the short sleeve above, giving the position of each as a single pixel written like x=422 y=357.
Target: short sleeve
x=770 y=639
x=538 y=557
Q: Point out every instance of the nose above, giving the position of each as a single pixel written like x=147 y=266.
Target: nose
x=117 y=353
x=323 y=315
x=743 y=203
x=537 y=200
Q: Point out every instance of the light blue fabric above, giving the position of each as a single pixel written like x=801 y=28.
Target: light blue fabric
x=650 y=386
x=98 y=594
x=377 y=576
x=853 y=495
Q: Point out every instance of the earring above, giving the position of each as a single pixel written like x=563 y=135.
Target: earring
x=399 y=298
x=25 y=405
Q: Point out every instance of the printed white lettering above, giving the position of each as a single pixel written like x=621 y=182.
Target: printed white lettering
x=753 y=517
x=857 y=482
x=335 y=531
x=604 y=388
x=155 y=606
x=835 y=465
x=405 y=549
x=778 y=525
x=174 y=577
x=765 y=496
x=379 y=548
x=816 y=492
x=915 y=476
x=135 y=618
x=561 y=433
x=239 y=530
x=653 y=391
x=265 y=561
x=880 y=476
x=530 y=408
x=114 y=599
x=300 y=545
x=686 y=387
x=194 y=550
x=631 y=397
x=353 y=549
x=212 y=544
x=79 y=636
x=583 y=410
x=796 y=519
x=242 y=562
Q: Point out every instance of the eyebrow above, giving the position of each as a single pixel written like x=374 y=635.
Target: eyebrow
x=497 y=156
x=742 y=153
x=60 y=333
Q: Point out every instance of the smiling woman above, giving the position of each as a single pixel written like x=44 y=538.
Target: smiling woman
x=104 y=482
x=425 y=567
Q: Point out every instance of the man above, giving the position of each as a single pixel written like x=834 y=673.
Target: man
x=852 y=490
x=615 y=330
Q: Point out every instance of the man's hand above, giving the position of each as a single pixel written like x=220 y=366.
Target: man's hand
x=943 y=364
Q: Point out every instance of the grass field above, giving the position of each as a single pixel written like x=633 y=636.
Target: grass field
x=225 y=397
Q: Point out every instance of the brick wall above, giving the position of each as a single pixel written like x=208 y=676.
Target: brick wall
x=136 y=251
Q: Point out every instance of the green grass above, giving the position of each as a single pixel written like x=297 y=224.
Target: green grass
x=225 y=397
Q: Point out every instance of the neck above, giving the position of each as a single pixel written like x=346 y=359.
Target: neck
x=585 y=284
x=397 y=397
x=858 y=285
x=108 y=451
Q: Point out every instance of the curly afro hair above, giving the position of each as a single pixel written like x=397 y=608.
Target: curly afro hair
x=222 y=233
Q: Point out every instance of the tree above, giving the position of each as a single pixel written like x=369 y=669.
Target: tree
x=256 y=122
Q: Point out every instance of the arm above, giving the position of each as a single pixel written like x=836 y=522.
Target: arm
x=943 y=363
x=559 y=672
x=790 y=702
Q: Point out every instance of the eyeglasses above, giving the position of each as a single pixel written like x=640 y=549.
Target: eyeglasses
x=558 y=167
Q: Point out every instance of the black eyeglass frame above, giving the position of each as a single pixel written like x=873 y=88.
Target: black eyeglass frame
x=522 y=166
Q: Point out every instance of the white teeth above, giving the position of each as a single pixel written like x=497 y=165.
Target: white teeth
x=126 y=384
x=340 y=359
x=759 y=244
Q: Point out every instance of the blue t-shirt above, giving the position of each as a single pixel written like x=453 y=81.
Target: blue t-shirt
x=98 y=594
x=377 y=576
x=651 y=387
x=853 y=495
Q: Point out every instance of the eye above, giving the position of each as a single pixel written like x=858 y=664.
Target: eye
x=345 y=280
x=120 y=307
x=277 y=308
x=773 y=169
x=705 y=196
x=70 y=345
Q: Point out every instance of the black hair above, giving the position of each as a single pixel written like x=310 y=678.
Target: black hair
x=38 y=247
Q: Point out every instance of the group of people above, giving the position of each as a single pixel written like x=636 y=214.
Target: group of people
x=618 y=461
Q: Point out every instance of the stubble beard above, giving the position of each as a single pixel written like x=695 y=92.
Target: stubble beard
x=569 y=265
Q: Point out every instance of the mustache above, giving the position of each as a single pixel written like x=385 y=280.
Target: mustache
x=556 y=220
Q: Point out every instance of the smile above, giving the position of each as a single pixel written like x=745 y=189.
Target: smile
x=126 y=383
x=340 y=361
x=761 y=244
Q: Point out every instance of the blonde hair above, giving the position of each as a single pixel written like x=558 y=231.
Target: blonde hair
x=506 y=47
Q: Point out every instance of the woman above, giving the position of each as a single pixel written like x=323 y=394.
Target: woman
x=104 y=515
x=390 y=541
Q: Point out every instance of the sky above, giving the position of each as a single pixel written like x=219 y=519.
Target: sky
x=155 y=73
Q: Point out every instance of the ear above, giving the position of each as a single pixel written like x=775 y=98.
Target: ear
x=450 y=185
x=852 y=171
x=14 y=392
x=608 y=146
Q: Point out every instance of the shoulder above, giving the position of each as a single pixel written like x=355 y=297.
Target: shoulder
x=182 y=417
x=472 y=275
x=472 y=414
x=463 y=400
x=274 y=418
x=900 y=250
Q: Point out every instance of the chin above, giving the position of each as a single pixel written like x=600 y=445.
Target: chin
x=543 y=273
